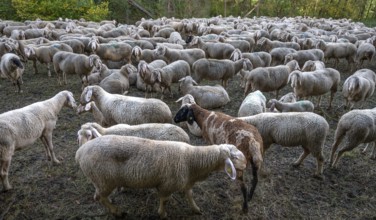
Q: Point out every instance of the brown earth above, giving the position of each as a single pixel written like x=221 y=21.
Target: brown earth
x=46 y=191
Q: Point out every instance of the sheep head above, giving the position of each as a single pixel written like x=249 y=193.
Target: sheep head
x=185 y=113
x=95 y=61
x=271 y=104
x=160 y=50
x=187 y=99
x=235 y=160
x=86 y=95
x=236 y=55
x=86 y=133
x=70 y=102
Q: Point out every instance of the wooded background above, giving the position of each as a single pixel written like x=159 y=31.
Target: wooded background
x=128 y=11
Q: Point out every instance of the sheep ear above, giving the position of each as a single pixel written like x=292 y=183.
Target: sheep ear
x=158 y=75
x=87 y=107
x=230 y=169
x=88 y=94
x=95 y=133
x=91 y=61
x=181 y=98
x=190 y=116
x=194 y=82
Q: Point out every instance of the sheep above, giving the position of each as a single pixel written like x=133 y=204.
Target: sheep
x=267 y=45
x=219 y=128
x=12 y=68
x=112 y=51
x=22 y=127
x=358 y=87
x=155 y=131
x=169 y=74
x=176 y=38
x=193 y=128
x=145 y=73
x=253 y=104
x=304 y=55
x=117 y=82
x=44 y=54
x=299 y=106
x=289 y=98
x=315 y=83
x=215 y=69
x=365 y=51
x=169 y=166
x=311 y=65
x=126 y=109
x=258 y=59
x=97 y=76
x=171 y=55
x=213 y=50
x=337 y=51
x=143 y=54
x=208 y=97
x=91 y=107
x=71 y=63
x=304 y=129
x=269 y=78
x=278 y=55
x=357 y=127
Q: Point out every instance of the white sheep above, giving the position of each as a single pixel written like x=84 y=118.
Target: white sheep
x=304 y=55
x=208 y=97
x=254 y=103
x=171 y=55
x=289 y=97
x=338 y=51
x=71 y=63
x=214 y=50
x=112 y=51
x=113 y=161
x=215 y=69
x=126 y=109
x=12 y=68
x=22 y=127
x=315 y=83
x=169 y=74
x=311 y=65
x=267 y=79
x=145 y=73
x=299 y=106
x=118 y=81
x=44 y=54
x=278 y=55
x=354 y=127
x=358 y=87
x=91 y=107
x=365 y=51
x=155 y=131
x=304 y=129
x=219 y=128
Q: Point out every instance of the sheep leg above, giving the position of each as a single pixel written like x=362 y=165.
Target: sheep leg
x=19 y=86
x=162 y=202
x=102 y=197
x=48 y=140
x=35 y=66
x=373 y=155
x=44 y=141
x=301 y=158
x=320 y=162
x=254 y=180
x=365 y=148
x=4 y=172
x=49 y=69
x=192 y=203
x=331 y=99
x=244 y=191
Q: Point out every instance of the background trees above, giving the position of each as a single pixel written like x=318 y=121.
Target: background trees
x=128 y=11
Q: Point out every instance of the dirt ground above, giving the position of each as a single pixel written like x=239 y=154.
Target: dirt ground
x=46 y=191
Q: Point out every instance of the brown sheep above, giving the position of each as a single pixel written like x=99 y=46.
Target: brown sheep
x=219 y=128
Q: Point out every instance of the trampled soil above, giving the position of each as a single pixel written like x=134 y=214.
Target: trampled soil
x=46 y=191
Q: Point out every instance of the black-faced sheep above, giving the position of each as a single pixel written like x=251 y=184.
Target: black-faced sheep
x=219 y=128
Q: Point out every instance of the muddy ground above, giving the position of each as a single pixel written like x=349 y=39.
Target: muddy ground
x=46 y=191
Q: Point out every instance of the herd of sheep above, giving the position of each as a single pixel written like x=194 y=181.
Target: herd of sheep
x=133 y=139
